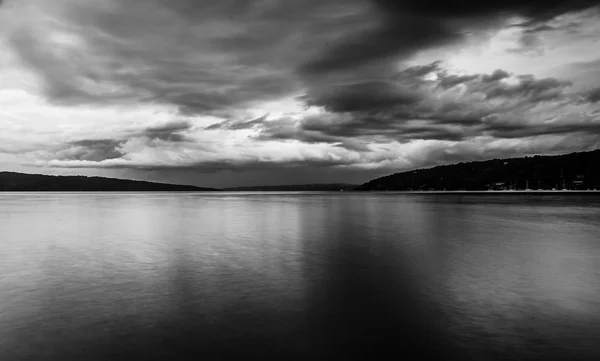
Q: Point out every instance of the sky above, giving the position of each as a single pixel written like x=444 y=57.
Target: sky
x=226 y=93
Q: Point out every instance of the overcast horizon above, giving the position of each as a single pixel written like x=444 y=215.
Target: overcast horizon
x=242 y=93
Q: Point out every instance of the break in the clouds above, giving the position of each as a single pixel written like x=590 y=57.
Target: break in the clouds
x=229 y=92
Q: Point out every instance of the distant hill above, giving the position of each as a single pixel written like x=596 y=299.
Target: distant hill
x=19 y=182
x=575 y=171
x=296 y=187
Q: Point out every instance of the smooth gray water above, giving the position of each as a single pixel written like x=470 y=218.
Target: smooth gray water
x=96 y=276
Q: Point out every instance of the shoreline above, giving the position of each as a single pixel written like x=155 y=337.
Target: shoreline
x=493 y=192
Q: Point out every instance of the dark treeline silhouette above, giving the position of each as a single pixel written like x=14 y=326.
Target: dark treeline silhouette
x=575 y=171
x=19 y=182
x=297 y=187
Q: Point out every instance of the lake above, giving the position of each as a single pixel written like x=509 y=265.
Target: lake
x=178 y=276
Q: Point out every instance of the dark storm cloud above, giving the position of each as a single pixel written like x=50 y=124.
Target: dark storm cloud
x=232 y=125
x=498 y=128
x=357 y=134
x=433 y=108
x=523 y=131
x=192 y=87
x=384 y=104
x=95 y=150
x=593 y=96
x=401 y=88
x=393 y=37
x=532 y=89
x=406 y=27
x=169 y=132
x=98 y=150
x=201 y=56
x=454 y=80
x=532 y=9
x=312 y=137
x=214 y=55
x=447 y=81
x=498 y=74
x=368 y=95
x=406 y=94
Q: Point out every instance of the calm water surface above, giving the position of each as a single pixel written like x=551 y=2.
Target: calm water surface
x=144 y=276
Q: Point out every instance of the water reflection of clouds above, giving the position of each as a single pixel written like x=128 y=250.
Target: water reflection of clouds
x=521 y=276
x=159 y=273
x=127 y=266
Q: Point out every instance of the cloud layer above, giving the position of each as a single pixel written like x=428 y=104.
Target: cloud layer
x=309 y=85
